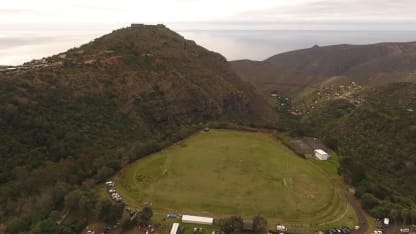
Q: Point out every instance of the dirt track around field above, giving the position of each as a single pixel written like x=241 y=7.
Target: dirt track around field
x=359 y=212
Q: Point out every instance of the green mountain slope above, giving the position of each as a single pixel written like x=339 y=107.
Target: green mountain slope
x=95 y=108
x=270 y=78
x=377 y=140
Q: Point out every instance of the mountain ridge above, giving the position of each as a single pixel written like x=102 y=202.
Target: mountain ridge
x=368 y=65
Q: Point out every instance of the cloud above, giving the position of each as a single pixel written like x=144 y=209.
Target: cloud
x=11 y=11
x=36 y=28
x=165 y=11
x=10 y=42
x=99 y=7
x=340 y=10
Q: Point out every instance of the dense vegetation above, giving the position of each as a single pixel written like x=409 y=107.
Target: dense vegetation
x=377 y=142
x=118 y=98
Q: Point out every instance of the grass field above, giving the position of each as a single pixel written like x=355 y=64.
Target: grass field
x=224 y=172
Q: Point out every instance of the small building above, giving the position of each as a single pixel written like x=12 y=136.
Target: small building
x=197 y=219
x=320 y=154
x=136 y=25
x=174 y=229
x=386 y=222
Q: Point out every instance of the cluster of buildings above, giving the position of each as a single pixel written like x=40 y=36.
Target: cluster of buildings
x=32 y=65
x=192 y=219
x=55 y=61
x=347 y=92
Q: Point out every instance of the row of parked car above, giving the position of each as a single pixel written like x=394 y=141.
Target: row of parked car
x=112 y=191
x=341 y=230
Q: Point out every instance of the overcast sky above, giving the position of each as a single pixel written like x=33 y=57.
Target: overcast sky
x=26 y=24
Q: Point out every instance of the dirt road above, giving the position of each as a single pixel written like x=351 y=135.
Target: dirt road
x=359 y=212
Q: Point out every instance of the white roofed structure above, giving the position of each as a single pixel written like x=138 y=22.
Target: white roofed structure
x=386 y=221
x=174 y=229
x=197 y=219
x=320 y=154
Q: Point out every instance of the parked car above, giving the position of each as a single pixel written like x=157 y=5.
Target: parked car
x=172 y=216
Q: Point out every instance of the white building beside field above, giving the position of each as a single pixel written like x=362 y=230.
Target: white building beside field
x=174 y=229
x=320 y=154
x=197 y=219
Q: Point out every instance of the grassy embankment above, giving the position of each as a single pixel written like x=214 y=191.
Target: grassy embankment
x=222 y=172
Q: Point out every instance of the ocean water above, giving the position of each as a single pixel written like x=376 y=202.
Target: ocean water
x=18 y=46
x=259 y=45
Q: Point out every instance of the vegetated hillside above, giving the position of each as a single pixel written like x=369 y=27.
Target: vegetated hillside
x=368 y=65
x=270 y=78
x=377 y=140
x=89 y=111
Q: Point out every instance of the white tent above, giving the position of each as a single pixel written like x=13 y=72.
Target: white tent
x=197 y=219
x=174 y=229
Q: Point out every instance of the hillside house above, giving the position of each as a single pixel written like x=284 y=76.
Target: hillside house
x=320 y=154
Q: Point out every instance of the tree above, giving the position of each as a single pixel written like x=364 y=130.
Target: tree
x=413 y=215
x=394 y=214
x=369 y=201
x=103 y=173
x=259 y=225
x=47 y=226
x=109 y=212
x=60 y=189
x=232 y=225
x=83 y=201
x=144 y=216
x=404 y=213
x=86 y=203
x=128 y=224
x=72 y=199
x=54 y=215
x=17 y=225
